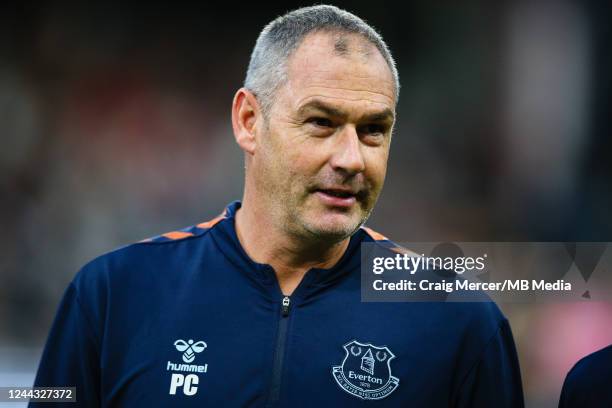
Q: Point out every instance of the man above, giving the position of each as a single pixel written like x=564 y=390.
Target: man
x=589 y=382
x=261 y=305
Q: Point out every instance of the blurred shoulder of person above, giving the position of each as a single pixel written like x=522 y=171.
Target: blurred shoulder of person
x=589 y=382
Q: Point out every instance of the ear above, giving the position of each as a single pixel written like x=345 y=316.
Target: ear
x=246 y=114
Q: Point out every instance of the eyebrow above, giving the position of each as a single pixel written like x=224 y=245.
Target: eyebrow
x=380 y=116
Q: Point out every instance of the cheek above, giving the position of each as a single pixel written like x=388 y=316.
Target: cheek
x=376 y=165
x=296 y=176
x=304 y=159
x=285 y=168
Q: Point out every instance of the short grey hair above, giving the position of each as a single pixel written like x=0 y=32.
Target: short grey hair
x=267 y=70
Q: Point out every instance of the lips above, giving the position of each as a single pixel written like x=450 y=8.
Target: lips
x=338 y=193
x=338 y=197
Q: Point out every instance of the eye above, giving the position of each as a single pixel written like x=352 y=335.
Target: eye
x=372 y=134
x=372 y=129
x=321 y=122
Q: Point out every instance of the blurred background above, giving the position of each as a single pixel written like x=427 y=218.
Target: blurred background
x=115 y=126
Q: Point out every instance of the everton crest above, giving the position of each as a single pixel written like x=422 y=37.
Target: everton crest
x=366 y=371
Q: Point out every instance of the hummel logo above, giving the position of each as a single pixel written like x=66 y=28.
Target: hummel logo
x=188 y=382
x=189 y=348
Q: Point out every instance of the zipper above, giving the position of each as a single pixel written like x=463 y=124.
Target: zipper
x=279 y=354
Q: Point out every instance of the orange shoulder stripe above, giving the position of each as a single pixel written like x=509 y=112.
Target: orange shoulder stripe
x=376 y=235
x=174 y=235
x=402 y=250
x=211 y=223
x=177 y=234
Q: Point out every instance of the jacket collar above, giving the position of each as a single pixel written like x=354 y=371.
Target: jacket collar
x=262 y=275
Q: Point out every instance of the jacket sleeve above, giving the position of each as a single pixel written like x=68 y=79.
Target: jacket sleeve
x=495 y=379
x=71 y=354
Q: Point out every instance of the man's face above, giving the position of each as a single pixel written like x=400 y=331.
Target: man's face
x=322 y=157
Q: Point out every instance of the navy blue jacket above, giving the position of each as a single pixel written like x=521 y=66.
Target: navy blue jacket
x=188 y=319
x=589 y=382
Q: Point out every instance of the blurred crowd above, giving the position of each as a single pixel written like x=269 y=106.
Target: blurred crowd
x=115 y=126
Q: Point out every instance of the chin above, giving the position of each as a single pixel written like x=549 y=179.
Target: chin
x=336 y=230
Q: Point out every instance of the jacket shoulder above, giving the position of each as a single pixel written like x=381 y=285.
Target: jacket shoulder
x=132 y=259
x=186 y=233
x=384 y=242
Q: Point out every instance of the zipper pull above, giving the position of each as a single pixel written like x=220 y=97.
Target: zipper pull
x=286 y=303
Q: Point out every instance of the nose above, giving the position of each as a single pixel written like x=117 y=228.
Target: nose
x=347 y=156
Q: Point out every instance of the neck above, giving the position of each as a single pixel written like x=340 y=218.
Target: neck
x=290 y=256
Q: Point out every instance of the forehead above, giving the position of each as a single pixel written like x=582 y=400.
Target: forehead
x=344 y=68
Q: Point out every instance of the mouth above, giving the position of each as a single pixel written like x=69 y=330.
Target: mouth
x=339 y=197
